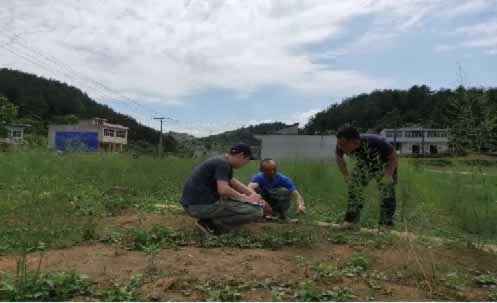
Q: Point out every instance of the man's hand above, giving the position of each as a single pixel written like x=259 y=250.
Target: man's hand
x=301 y=209
x=387 y=180
x=254 y=198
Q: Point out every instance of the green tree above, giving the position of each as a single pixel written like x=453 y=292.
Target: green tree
x=8 y=111
x=473 y=122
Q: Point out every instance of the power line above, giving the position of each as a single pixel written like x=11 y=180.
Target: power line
x=63 y=66
x=161 y=139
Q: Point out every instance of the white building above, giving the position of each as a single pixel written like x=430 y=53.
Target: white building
x=297 y=147
x=89 y=135
x=15 y=134
x=416 y=139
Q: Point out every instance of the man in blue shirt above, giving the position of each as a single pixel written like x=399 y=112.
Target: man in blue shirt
x=276 y=189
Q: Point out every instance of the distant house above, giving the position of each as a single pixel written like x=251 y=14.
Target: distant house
x=418 y=140
x=15 y=134
x=287 y=144
x=88 y=135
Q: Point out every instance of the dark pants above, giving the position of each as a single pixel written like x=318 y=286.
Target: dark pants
x=278 y=199
x=360 y=178
x=226 y=213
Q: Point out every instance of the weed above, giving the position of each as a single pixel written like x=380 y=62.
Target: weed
x=55 y=286
x=163 y=237
x=486 y=280
x=220 y=292
x=340 y=239
x=327 y=271
x=359 y=261
x=493 y=297
x=298 y=260
x=119 y=293
x=455 y=281
x=310 y=293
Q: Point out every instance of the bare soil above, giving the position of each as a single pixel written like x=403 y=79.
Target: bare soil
x=172 y=274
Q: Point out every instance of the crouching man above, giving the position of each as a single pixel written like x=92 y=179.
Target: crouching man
x=375 y=160
x=216 y=199
x=277 y=189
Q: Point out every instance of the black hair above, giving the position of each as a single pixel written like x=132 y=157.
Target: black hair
x=348 y=133
x=264 y=161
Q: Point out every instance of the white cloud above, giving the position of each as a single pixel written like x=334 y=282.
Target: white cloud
x=482 y=35
x=466 y=7
x=170 y=49
x=443 y=48
x=161 y=52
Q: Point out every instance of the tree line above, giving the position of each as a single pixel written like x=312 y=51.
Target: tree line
x=469 y=113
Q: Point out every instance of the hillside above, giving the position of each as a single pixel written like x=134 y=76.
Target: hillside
x=392 y=108
x=243 y=134
x=43 y=101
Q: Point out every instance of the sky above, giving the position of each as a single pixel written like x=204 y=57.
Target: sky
x=215 y=65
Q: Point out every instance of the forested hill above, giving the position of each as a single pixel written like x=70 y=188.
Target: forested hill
x=243 y=134
x=43 y=101
x=392 y=108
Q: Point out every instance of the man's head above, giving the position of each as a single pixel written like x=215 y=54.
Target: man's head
x=348 y=139
x=269 y=168
x=240 y=155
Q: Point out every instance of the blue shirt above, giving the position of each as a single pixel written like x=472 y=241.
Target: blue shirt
x=278 y=180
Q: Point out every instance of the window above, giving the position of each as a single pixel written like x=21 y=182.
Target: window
x=414 y=134
x=391 y=134
x=16 y=134
x=108 y=132
x=121 y=134
x=437 y=134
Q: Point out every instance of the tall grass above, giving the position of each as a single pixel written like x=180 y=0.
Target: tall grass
x=51 y=200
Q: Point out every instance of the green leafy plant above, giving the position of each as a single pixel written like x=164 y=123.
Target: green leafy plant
x=310 y=293
x=486 y=280
x=54 y=286
x=128 y=292
x=327 y=270
x=359 y=261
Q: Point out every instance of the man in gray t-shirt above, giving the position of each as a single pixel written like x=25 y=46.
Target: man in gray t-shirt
x=218 y=200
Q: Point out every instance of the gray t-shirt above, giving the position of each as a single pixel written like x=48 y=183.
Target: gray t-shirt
x=201 y=187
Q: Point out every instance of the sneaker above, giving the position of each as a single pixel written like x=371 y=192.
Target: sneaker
x=205 y=227
x=348 y=226
x=386 y=227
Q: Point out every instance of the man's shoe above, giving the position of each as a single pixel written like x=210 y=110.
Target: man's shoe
x=348 y=226
x=385 y=226
x=206 y=227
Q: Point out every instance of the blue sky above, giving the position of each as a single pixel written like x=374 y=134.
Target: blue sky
x=217 y=65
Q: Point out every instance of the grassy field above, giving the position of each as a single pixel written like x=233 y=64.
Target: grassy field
x=50 y=201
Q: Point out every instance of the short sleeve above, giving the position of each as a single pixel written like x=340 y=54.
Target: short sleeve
x=385 y=148
x=288 y=184
x=223 y=171
x=338 y=152
x=257 y=179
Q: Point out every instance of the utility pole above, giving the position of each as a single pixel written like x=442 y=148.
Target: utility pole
x=161 y=147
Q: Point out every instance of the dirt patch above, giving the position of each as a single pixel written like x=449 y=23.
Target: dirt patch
x=172 y=274
x=134 y=218
x=102 y=263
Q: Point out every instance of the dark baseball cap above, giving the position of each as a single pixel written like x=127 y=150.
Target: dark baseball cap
x=242 y=148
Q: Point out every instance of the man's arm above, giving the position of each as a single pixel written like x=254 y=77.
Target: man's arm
x=253 y=186
x=342 y=165
x=295 y=195
x=225 y=190
x=240 y=187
